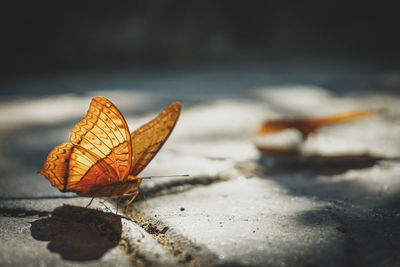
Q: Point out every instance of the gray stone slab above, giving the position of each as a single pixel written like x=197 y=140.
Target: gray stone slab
x=251 y=222
x=33 y=234
x=258 y=222
x=317 y=209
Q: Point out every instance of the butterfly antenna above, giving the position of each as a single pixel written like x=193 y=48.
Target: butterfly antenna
x=164 y=176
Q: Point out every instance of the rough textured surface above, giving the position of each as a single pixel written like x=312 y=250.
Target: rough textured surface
x=335 y=202
x=71 y=235
x=252 y=222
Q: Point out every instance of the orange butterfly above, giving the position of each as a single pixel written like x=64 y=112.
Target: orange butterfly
x=103 y=158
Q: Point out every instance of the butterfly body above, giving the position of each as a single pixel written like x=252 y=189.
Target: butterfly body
x=103 y=159
x=113 y=190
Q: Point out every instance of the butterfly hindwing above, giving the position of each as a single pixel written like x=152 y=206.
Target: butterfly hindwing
x=56 y=165
x=87 y=173
x=149 y=138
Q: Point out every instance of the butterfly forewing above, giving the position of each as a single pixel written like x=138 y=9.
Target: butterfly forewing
x=149 y=138
x=103 y=132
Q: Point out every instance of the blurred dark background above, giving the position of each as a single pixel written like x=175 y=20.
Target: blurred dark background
x=57 y=36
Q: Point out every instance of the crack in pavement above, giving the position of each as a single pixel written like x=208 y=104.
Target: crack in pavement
x=136 y=259
x=37 y=197
x=22 y=213
x=352 y=255
x=184 y=250
x=178 y=186
x=247 y=169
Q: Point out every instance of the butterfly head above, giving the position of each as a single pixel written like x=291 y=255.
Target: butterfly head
x=134 y=182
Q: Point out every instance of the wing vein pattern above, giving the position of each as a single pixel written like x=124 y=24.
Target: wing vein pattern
x=102 y=152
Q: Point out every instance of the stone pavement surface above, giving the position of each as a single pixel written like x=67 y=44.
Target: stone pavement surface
x=335 y=204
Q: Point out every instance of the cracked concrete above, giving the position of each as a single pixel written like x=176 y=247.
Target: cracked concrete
x=333 y=204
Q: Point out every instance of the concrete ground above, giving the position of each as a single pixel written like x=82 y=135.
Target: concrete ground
x=336 y=203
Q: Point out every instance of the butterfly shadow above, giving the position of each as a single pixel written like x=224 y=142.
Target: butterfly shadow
x=78 y=234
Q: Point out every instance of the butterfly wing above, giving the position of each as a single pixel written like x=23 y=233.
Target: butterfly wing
x=149 y=138
x=99 y=154
x=89 y=175
x=56 y=165
x=104 y=134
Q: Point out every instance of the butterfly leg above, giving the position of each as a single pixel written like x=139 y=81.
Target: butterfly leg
x=145 y=204
x=134 y=195
x=118 y=202
x=89 y=203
